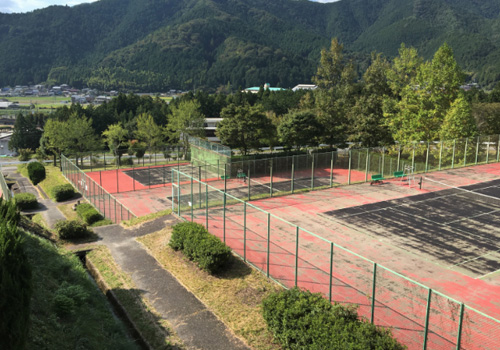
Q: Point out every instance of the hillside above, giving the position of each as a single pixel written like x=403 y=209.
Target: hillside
x=158 y=45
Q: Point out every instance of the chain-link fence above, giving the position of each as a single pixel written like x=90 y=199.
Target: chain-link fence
x=417 y=315
x=101 y=199
x=3 y=185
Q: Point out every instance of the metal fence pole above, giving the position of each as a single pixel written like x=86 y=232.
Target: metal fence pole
x=297 y=229
x=312 y=173
x=245 y=231
x=191 y=204
x=331 y=170
x=453 y=154
x=117 y=182
x=268 y=240
x=293 y=173
x=178 y=193
x=271 y=180
x=498 y=149
x=367 y=163
x=374 y=288
x=399 y=157
x=331 y=273
x=440 y=155
x=460 y=326
x=149 y=176
x=465 y=153
x=350 y=165
x=427 y=314
x=427 y=156
x=249 y=194
x=413 y=157
x=224 y=219
x=199 y=184
x=488 y=150
x=477 y=149
x=206 y=206
x=225 y=179
x=383 y=160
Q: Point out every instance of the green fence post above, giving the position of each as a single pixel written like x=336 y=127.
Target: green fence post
x=149 y=176
x=271 y=180
x=383 y=160
x=440 y=155
x=218 y=164
x=293 y=173
x=245 y=231
x=488 y=150
x=225 y=179
x=413 y=157
x=453 y=154
x=199 y=185
x=460 y=324
x=498 y=149
x=367 y=163
x=178 y=194
x=427 y=156
x=374 y=288
x=350 y=165
x=268 y=240
x=297 y=229
x=224 y=219
x=399 y=157
x=249 y=194
x=206 y=206
x=331 y=171
x=117 y=182
x=465 y=153
x=331 y=273
x=312 y=173
x=104 y=160
x=427 y=314
x=477 y=149
x=115 y=209
x=91 y=162
x=191 y=204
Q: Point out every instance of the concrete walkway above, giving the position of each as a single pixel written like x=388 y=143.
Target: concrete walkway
x=197 y=326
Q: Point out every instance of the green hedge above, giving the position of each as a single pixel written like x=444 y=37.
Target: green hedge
x=304 y=320
x=36 y=172
x=26 y=201
x=9 y=212
x=63 y=192
x=88 y=213
x=200 y=246
x=72 y=229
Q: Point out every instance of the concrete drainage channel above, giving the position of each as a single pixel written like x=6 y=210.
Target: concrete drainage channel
x=117 y=308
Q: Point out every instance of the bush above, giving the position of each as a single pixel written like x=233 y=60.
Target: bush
x=304 y=320
x=25 y=154
x=8 y=212
x=200 y=246
x=26 y=201
x=88 y=213
x=68 y=297
x=72 y=229
x=36 y=172
x=63 y=192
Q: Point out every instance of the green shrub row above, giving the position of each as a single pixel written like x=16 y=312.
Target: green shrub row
x=304 y=320
x=9 y=212
x=36 y=172
x=63 y=192
x=200 y=246
x=26 y=201
x=88 y=213
x=72 y=229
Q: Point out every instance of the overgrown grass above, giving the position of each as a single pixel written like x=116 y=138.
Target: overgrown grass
x=156 y=331
x=142 y=219
x=87 y=322
x=234 y=296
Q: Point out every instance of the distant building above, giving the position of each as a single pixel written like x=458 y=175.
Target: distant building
x=4 y=144
x=8 y=105
x=305 y=87
x=267 y=86
x=210 y=125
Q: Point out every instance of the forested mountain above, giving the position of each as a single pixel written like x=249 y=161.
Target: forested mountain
x=157 y=45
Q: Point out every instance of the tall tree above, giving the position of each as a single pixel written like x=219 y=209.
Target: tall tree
x=148 y=131
x=186 y=119
x=335 y=94
x=81 y=136
x=27 y=132
x=54 y=138
x=299 y=128
x=458 y=122
x=115 y=137
x=244 y=127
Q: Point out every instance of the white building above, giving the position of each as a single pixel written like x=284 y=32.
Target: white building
x=305 y=87
x=4 y=144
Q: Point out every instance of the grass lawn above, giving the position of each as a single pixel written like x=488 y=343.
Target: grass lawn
x=84 y=323
x=157 y=331
x=53 y=177
x=234 y=296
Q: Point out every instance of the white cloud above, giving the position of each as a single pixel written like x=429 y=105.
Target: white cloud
x=16 y=6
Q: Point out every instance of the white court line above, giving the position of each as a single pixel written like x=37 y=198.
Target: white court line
x=262 y=184
x=476 y=258
x=483 y=276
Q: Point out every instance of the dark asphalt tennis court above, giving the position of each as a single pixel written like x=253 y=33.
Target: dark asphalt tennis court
x=457 y=228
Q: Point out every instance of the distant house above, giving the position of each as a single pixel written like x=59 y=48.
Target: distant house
x=4 y=144
x=267 y=86
x=210 y=126
x=102 y=99
x=8 y=105
x=305 y=87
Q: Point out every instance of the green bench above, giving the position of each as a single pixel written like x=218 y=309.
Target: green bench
x=399 y=174
x=241 y=175
x=377 y=179
x=225 y=177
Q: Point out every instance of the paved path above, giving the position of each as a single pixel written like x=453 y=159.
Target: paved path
x=197 y=326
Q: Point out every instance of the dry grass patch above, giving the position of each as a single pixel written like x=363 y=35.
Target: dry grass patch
x=157 y=331
x=68 y=212
x=234 y=295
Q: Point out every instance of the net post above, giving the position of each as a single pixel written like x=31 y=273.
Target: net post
x=268 y=240
x=271 y=180
x=331 y=273
x=293 y=173
x=191 y=203
x=245 y=231
x=488 y=150
x=427 y=314
x=249 y=194
x=453 y=154
x=374 y=288
x=465 y=153
x=297 y=229
x=460 y=326
x=440 y=155
x=331 y=171
x=206 y=206
x=312 y=172
x=477 y=149
x=350 y=165
x=427 y=156
x=224 y=219
x=367 y=163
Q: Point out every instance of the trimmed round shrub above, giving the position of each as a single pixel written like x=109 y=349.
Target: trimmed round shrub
x=212 y=254
x=72 y=229
x=88 y=213
x=182 y=231
x=36 y=172
x=26 y=201
x=63 y=192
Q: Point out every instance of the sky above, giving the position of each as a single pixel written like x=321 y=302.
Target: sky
x=17 y=6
